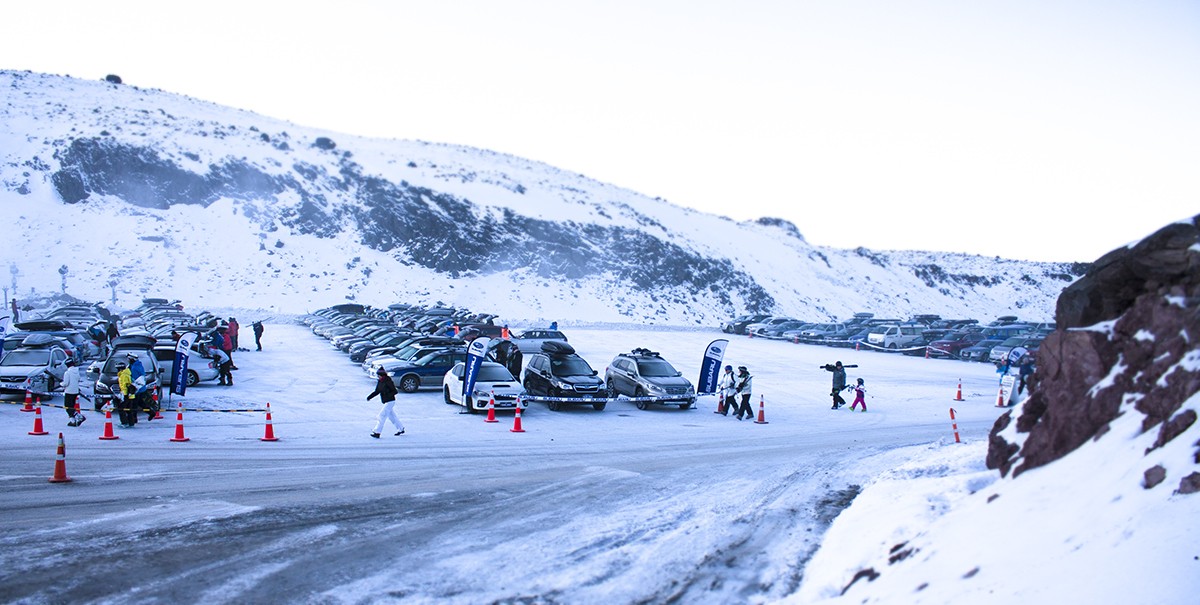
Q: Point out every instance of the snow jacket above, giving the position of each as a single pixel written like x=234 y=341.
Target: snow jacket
x=124 y=382
x=137 y=375
x=233 y=327
x=385 y=388
x=743 y=384
x=71 y=381
x=839 y=377
x=726 y=384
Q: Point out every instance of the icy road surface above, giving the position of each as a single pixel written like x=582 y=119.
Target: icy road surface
x=618 y=506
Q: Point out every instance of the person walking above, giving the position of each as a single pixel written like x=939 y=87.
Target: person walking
x=71 y=394
x=860 y=395
x=125 y=396
x=224 y=362
x=743 y=388
x=839 y=382
x=725 y=390
x=258 y=332
x=141 y=392
x=386 y=389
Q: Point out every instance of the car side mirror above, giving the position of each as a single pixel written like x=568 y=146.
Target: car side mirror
x=594 y=372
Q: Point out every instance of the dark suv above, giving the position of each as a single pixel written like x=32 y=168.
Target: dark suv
x=558 y=372
x=644 y=373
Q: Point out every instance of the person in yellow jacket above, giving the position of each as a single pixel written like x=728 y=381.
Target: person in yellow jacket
x=125 y=396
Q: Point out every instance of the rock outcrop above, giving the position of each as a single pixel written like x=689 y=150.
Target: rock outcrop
x=1128 y=342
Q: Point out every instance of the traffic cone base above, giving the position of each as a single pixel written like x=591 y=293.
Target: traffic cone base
x=37 y=422
x=60 y=463
x=269 y=435
x=108 y=431
x=28 y=401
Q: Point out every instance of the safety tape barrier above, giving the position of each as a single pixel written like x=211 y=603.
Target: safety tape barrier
x=51 y=405
x=867 y=344
x=567 y=399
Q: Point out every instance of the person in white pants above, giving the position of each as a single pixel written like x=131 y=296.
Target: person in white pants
x=386 y=389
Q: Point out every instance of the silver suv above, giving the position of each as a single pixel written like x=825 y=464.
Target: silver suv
x=644 y=373
x=895 y=336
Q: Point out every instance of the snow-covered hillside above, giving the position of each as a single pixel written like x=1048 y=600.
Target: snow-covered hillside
x=141 y=192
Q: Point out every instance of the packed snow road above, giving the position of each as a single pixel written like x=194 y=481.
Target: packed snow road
x=618 y=506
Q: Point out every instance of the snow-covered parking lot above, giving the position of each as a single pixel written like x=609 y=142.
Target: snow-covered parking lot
x=617 y=506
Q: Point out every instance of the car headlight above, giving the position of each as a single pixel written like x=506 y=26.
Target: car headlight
x=102 y=388
x=565 y=386
x=481 y=394
x=654 y=388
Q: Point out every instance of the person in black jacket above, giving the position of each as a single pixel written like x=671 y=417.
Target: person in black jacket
x=839 y=382
x=386 y=389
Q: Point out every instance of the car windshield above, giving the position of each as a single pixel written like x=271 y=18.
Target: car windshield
x=655 y=368
x=569 y=366
x=496 y=373
x=110 y=367
x=27 y=357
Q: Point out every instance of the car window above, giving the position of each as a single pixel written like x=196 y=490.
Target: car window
x=496 y=373
x=570 y=366
x=655 y=368
x=28 y=357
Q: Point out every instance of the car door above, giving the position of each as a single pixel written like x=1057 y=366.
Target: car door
x=627 y=376
x=535 y=375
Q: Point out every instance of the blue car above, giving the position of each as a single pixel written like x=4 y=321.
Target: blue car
x=428 y=370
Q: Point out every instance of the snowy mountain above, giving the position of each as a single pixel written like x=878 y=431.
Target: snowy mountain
x=143 y=192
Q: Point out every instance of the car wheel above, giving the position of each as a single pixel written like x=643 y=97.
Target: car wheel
x=610 y=389
x=892 y=347
x=470 y=402
x=446 y=395
x=410 y=384
x=599 y=407
x=641 y=405
x=193 y=378
x=684 y=406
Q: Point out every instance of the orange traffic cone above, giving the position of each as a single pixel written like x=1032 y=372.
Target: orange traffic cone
x=720 y=405
x=60 y=463
x=958 y=397
x=179 y=426
x=491 y=417
x=270 y=434
x=517 y=419
x=28 y=401
x=1000 y=398
x=108 y=431
x=157 y=409
x=37 y=421
x=762 y=417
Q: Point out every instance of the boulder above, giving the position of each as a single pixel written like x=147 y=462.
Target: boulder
x=1127 y=332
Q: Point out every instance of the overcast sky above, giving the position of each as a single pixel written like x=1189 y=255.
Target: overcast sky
x=1043 y=130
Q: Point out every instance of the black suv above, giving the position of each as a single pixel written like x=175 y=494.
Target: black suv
x=558 y=372
x=644 y=373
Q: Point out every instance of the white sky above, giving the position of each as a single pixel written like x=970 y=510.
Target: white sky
x=1024 y=129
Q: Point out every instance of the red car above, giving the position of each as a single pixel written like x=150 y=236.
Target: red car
x=952 y=344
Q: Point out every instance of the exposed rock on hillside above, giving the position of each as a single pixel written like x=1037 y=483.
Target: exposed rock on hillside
x=1129 y=342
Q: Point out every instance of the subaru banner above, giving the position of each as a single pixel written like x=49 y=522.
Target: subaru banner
x=710 y=367
x=475 y=354
x=179 y=370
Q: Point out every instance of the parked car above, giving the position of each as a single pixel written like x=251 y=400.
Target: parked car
x=105 y=374
x=37 y=365
x=199 y=367
x=952 y=344
x=556 y=371
x=530 y=341
x=778 y=330
x=738 y=324
x=644 y=373
x=895 y=336
x=493 y=381
x=1002 y=350
x=980 y=350
x=756 y=327
x=427 y=370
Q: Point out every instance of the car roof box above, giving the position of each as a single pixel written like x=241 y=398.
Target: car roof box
x=557 y=347
x=40 y=339
x=43 y=325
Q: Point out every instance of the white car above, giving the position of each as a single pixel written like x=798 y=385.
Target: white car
x=493 y=380
x=199 y=368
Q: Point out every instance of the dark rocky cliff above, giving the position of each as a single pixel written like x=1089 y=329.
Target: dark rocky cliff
x=1128 y=343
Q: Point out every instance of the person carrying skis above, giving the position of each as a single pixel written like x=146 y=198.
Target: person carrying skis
x=839 y=382
x=860 y=395
x=258 y=332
